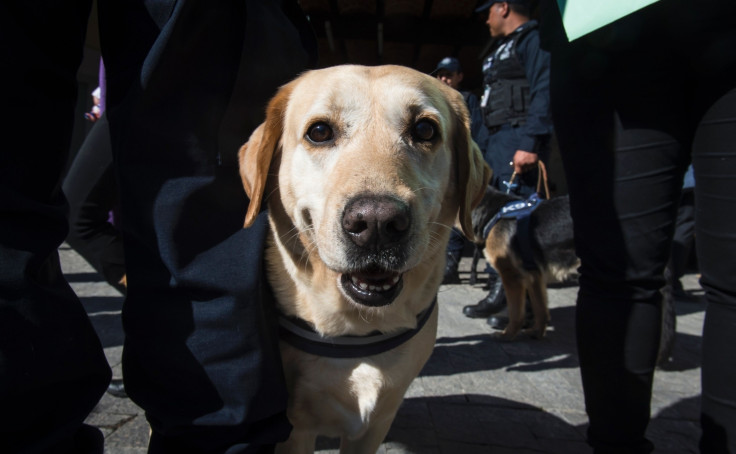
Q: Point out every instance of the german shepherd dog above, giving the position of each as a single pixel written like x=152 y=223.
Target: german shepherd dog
x=550 y=252
x=554 y=259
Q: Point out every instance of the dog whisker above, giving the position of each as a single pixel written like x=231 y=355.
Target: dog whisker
x=308 y=248
x=445 y=226
x=427 y=188
x=275 y=189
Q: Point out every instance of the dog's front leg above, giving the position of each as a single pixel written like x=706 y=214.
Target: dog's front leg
x=540 y=308
x=515 y=302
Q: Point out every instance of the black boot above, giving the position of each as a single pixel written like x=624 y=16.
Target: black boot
x=116 y=388
x=494 y=302
x=451 y=274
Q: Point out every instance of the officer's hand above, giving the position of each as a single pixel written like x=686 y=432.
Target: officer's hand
x=524 y=161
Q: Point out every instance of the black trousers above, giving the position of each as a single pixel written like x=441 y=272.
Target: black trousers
x=684 y=237
x=92 y=193
x=633 y=103
x=186 y=83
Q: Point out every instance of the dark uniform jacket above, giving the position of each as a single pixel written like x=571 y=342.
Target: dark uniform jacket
x=516 y=96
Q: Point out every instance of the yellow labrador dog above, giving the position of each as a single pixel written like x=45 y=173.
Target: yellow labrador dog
x=365 y=170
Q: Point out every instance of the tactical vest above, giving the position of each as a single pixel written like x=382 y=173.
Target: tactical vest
x=506 y=93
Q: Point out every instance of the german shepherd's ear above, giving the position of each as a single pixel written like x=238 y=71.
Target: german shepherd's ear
x=473 y=173
x=259 y=152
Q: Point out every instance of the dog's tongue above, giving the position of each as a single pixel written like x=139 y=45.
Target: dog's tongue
x=378 y=281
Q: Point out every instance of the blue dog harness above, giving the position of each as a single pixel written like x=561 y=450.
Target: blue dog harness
x=520 y=210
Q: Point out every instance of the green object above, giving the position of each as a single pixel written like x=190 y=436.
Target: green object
x=581 y=17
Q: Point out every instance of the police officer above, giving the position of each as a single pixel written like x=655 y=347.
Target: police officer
x=450 y=72
x=516 y=110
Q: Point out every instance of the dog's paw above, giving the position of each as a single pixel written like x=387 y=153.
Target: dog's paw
x=535 y=333
x=504 y=336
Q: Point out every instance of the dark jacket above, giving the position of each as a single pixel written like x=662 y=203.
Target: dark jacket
x=536 y=127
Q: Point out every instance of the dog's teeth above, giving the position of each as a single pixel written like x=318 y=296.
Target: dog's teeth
x=363 y=285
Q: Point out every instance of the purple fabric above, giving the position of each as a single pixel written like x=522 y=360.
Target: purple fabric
x=103 y=86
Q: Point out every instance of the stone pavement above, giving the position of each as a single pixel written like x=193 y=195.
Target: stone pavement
x=475 y=395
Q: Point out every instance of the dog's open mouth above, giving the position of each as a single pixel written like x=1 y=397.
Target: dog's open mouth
x=372 y=287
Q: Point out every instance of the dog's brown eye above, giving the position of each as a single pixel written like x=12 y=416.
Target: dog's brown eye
x=424 y=130
x=320 y=132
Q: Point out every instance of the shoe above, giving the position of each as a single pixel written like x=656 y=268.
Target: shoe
x=501 y=320
x=117 y=388
x=493 y=277
x=493 y=303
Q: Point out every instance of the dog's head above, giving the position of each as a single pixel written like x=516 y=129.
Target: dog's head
x=365 y=170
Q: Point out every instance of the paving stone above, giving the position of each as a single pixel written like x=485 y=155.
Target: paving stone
x=133 y=434
x=475 y=395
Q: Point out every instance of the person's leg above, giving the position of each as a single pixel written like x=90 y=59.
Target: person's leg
x=201 y=355
x=52 y=366
x=92 y=193
x=618 y=318
x=499 y=152
x=714 y=161
x=454 y=254
x=683 y=240
x=624 y=208
x=624 y=184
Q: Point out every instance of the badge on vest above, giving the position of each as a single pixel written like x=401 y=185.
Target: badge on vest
x=486 y=95
x=504 y=50
x=516 y=209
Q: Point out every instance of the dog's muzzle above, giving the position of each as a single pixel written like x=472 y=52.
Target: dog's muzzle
x=376 y=228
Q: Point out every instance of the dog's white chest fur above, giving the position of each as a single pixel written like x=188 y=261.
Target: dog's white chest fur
x=365 y=382
x=349 y=397
x=337 y=398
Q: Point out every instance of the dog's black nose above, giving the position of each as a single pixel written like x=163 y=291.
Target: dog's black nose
x=376 y=222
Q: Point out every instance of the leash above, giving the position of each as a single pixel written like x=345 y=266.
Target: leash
x=301 y=335
x=541 y=178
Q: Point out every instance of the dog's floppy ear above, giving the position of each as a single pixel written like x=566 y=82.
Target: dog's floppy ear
x=473 y=173
x=257 y=154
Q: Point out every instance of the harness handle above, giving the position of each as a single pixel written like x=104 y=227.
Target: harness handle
x=542 y=178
